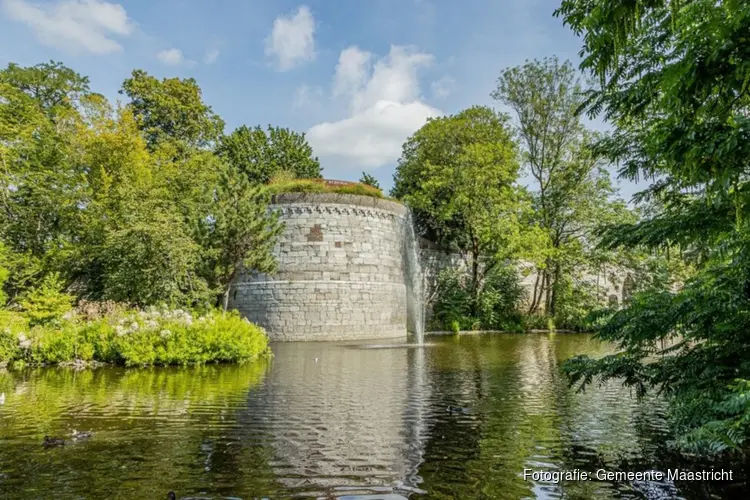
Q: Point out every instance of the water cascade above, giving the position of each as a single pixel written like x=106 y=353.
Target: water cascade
x=414 y=279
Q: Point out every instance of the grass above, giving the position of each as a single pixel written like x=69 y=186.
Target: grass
x=286 y=185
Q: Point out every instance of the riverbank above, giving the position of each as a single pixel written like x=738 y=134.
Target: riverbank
x=130 y=338
x=481 y=332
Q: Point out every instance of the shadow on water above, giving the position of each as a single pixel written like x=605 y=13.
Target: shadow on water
x=460 y=418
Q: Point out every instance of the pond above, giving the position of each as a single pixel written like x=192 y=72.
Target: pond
x=459 y=418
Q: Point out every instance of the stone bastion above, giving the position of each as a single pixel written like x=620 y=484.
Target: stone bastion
x=341 y=271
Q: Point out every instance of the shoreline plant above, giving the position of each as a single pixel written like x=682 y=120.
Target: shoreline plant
x=129 y=337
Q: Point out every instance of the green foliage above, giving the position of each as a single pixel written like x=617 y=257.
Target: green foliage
x=282 y=185
x=171 y=110
x=52 y=85
x=11 y=326
x=369 y=180
x=4 y=273
x=134 y=338
x=125 y=203
x=672 y=78
x=577 y=306
x=40 y=183
x=151 y=260
x=241 y=234
x=458 y=175
x=261 y=155
x=496 y=306
x=573 y=193
x=47 y=303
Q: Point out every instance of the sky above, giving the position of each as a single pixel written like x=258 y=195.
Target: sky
x=358 y=77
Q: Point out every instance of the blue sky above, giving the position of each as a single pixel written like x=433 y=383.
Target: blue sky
x=357 y=76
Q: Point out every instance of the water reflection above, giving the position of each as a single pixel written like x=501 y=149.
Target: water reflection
x=343 y=417
x=459 y=419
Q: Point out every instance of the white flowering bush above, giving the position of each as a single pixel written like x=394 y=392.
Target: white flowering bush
x=134 y=338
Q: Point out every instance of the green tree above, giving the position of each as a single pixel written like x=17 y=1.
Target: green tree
x=572 y=189
x=261 y=154
x=48 y=302
x=41 y=181
x=458 y=174
x=151 y=259
x=241 y=234
x=4 y=273
x=672 y=78
x=369 y=180
x=172 y=110
x=52 y=86
x=116 y=202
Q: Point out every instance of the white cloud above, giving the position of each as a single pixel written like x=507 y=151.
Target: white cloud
x=385 y=108
x=292 y=39
x=171 y=57
x=211 y=56
x=351 y=71
x=442 y=88
x=307 y=97
x=73 y=24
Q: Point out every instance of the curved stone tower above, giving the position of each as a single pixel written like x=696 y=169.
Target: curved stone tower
x=341 y=271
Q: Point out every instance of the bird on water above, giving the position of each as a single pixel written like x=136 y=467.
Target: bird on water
x=52 y=442
x=82 y=434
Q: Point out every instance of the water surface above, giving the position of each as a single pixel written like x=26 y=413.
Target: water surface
x=460 y=418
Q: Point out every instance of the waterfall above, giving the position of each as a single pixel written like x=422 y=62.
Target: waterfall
x=414 y=278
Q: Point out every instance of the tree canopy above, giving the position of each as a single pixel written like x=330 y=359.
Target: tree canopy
x=171 y=109
x=673 y=80
x=262 y=154
x=458 y=174
x=572 y=191
x=123 y=203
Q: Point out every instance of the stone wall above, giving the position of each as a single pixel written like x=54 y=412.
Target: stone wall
x=340 y=271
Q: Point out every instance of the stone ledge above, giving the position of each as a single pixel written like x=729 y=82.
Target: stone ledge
x=339 y=199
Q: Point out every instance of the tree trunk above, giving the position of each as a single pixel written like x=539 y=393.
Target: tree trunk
x=535 y=298
x=225 y=299
x=474 y=279
x=553 y=287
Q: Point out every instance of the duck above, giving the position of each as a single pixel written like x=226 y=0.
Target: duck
x=52 y=442
x=82 y=434
x=456 y=409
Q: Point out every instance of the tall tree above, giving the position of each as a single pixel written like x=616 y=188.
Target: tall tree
x=41 y=182
x=572 y=188
x=172 y=110
x=369 y=180
x=52 y=86
x=261 y=154
x=458 y=173
x=241 y=234
x=673 y=80
x=119 y=200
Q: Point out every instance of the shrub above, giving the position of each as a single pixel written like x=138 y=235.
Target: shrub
x=494 y=306
x=93 y=310
x=11 y=326
x=283 y=184
x=576 y=305
x=47 y=303
x=135 y=338
x=538 y=322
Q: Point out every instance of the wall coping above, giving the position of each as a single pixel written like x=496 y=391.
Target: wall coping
x=338 y=199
